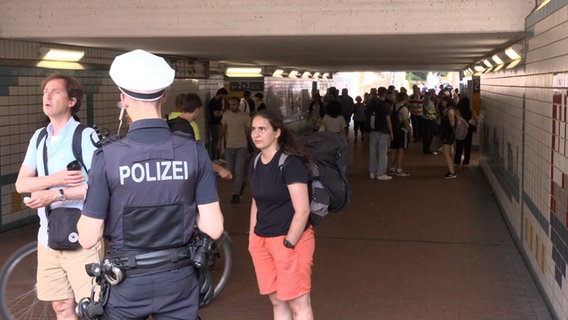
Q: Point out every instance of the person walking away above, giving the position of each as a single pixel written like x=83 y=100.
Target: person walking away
x=281 y=240
x=333 y=121
x=61 y=276
x=359 y=118
x=216 y=109
x=147 y=191
x=185 y=122
x=447 y=136
x=429 y=122
x=347 y=105
x=416 y=111
x=402 y=132
x=380 y=134
x=235 y=132
x=463 y=147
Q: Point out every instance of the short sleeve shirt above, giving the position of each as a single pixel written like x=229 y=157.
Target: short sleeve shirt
x=98 y=195
x=269 y=188
x=59 y=154
x=237 y=128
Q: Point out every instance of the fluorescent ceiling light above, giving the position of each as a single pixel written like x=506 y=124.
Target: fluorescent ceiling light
x=487 y=63
x=512 y=53
x=316 y=75
x=479 y=68
x=499 y=67
x=60 y=65
x=61 y=54
x=278 y=73
x=514 y=63
x=293 y=74
x=497 y=59
x=306 y=74
x=325 y=75
x=243 y=72
x=545 y=2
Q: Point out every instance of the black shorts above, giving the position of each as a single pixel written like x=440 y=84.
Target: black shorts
x=448 y=139
x=359 y=125
x=400 y=140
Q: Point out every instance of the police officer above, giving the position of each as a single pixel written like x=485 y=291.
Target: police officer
x=143 y=194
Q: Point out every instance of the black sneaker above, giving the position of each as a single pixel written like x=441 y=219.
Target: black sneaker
x=450 y=175
x=236 y=198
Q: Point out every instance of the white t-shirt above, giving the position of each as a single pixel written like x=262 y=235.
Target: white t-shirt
x=331 y=124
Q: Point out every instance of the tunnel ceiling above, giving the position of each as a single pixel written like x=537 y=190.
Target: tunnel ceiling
x=421 y=52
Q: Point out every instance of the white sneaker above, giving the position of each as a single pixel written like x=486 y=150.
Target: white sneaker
x=402 y=173
x=384 y=177
x=372 y=176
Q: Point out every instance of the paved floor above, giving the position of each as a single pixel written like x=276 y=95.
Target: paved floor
x=417 y=247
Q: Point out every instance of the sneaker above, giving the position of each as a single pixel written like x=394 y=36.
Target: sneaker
x=372 y=176
x=402 y=173
x=450 y=175
x=392 y=171
x=384 y=177
x=236 y=199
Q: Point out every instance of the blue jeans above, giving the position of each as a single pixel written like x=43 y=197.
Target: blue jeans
x=236 y=158
x=378 y=148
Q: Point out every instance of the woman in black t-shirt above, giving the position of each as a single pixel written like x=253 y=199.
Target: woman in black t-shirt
x=281 y=242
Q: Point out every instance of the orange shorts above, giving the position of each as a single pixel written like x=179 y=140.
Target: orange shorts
x=279 y=269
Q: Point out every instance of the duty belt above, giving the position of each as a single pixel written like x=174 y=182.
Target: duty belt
x=132 y=260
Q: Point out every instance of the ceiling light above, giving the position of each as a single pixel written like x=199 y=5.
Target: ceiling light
x=497 y=59
x=60 y=65
x=306 y=74
x=243 y=72
x=61 y=54
x=499 y=67
x=514 y=63
x=513 y=53
x=278 y=73
x=315 y=75
x=293 y=74
x=325 y=75
x=487 y=63
x=479 y=68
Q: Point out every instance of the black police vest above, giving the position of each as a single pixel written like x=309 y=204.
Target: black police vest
x=152 y=188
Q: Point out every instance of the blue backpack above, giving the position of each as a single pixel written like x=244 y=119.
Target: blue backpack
x=328 y=186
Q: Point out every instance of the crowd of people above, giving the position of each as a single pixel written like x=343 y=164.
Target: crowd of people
x=391 y=119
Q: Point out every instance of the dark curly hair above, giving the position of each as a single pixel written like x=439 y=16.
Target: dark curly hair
x=287 y=139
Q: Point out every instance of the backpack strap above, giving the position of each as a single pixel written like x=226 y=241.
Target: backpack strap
x=281 y=161
x=77 y=144
x=41 y=135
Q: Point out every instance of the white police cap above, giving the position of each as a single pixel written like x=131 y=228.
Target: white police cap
x=141 y=75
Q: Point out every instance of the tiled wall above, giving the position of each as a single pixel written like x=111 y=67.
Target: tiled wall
x=524 y=114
